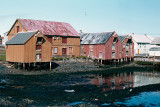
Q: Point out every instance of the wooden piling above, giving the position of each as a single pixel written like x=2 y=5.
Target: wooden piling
x=50 y=66
x=23 y=66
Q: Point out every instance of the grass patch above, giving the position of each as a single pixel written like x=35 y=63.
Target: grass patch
x=67 y=58
x=82 y=57
x=2 y=57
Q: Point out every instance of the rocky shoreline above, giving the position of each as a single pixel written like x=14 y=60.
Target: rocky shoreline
x=64 y=66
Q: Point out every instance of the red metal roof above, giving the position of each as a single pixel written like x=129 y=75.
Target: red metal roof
x=49 y=27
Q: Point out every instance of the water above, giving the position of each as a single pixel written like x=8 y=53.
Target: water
x=147 y=99
x=94 y=89
x=126 y=80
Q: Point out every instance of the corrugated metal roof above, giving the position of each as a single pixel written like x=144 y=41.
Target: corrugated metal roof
x=95 y=38
x=156 y=41
x=142 y=38
x=20 y=38
x=121 y=37
x=49 y=27
x=154 y=49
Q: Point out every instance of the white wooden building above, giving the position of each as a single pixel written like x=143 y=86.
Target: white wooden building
x=5 y=39
x=142 y=44
x=155 y=47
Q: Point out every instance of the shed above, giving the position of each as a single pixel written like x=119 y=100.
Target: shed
x=28 y=47
x=105 y=46
x=128 y=46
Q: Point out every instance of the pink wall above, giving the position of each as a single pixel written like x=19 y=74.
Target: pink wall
x=130 y=50
x=106 y=49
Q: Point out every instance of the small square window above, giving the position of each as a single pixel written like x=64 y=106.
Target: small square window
x=55 y=50
x=113 y=54
x=54 y=38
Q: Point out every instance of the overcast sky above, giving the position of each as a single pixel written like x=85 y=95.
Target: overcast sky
x=122 y=16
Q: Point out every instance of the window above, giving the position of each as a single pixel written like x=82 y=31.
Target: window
x=113 y=46
x=91 y=53
x=17 y=29
x=113 y=54
x=70 y=50
x=127 y=46
x=115 y=40
x=64 y=51
x=38 y=47
x=39 y=40
x=100 y=54
x=55 y=50
x=126 y=53
x=131 y=45
x=59 y=38
x=54 y=38
x=38 y=56
x=64 y=40
x=124 y=45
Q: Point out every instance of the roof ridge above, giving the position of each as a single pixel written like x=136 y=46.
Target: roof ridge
x=99 y=32
x=42 y=20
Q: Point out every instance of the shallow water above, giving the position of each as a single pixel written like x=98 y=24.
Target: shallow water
x=95 y=89
x=146 y=99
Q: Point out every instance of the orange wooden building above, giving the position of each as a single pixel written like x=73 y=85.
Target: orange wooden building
x=28 y=47
x=64 y=38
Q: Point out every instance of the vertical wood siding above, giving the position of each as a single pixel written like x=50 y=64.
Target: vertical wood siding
x=15 y=53
x=14 y=31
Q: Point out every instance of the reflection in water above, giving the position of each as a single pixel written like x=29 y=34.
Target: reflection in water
x=126 y=80
x=145 y=78
x=75 y=89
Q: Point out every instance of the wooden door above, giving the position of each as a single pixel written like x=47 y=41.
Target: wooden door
x=64 y=51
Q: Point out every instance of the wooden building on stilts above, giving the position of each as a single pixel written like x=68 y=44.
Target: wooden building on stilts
x=128 y=48
x=105 y=47
x=27 y=49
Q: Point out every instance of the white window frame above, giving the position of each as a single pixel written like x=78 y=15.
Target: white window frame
x=55 y=50
x=100 y=55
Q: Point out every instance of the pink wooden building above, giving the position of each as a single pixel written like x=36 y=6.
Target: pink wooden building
x=128 y=47
x=105 y=46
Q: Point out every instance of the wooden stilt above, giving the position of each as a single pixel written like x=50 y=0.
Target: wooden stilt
x=34 y=66
x=50 y=66
x=29 y=67
x=23 y=66
x=40 y=66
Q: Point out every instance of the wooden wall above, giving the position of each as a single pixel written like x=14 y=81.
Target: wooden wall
x=13 y=30
x=46 y=51
x=106 y=50
x=30 y=50
x=15 y=53
x=130 y=50
x=27 y=53
x=73 y=42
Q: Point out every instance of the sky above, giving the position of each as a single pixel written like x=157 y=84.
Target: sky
x=122 y=16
